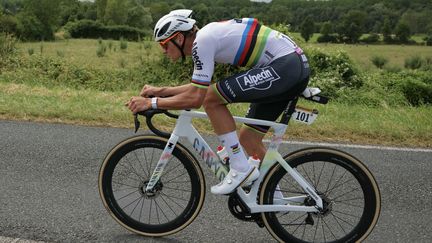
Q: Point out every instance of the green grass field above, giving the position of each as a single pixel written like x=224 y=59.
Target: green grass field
x=401 y=126
x=83 y=52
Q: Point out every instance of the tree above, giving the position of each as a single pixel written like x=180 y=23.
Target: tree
x=307 y=28
x=326 y=29
x=201 y=14
x=31 y=28
x=352 y=26
x=8 y=23
x=387 y=31
x=139 y=17
x=38 y=19
x=100 y=9
x=115 y=12
x=402 y=32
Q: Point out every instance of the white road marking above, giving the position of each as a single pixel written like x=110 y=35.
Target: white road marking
x=425 y=150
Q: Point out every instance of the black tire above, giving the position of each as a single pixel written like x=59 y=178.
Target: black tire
x=351 y=194
x=179 y=194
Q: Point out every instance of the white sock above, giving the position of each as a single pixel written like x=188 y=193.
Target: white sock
x=238 y=159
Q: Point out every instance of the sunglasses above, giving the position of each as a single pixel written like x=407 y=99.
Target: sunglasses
x=163 y=43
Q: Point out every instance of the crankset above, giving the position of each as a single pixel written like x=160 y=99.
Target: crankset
x=239 y=209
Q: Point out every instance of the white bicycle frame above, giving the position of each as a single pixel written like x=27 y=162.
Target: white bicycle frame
x=184 y=128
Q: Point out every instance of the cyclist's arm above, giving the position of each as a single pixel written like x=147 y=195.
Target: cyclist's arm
x=149 y=91
x=187 y=97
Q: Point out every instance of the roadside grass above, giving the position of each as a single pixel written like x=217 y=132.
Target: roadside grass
x=362 y=54
x=401 y=126
x=82 y=52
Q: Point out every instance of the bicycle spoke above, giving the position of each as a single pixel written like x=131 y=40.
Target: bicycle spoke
x=354 y=216
x=132 y=202
x=313 y=173
x=128 y=194
x=175 y=197
x=294 y=219
x=316 y=229
x=331 y=177
x=139 y=162
x=337 y=182
x=141 y=198
x=142 y=206
x=319 y=177
x=174 y=201
x=171 y=169
x=166 y=182
x=294 y=186
x=322 y=228
x=331 y=232
x=128 y=168
x=177 y=189
x=341 y=184
x=355 y=189
x=123 y=184
x=151 y=204
x=342 y=219
x=169 y=206
x=307 y=175
x=349 y=204
x=163 y=213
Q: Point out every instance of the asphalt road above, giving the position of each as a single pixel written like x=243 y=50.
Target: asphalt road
x=48 y=190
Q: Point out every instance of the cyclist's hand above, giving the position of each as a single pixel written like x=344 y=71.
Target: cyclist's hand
x=138 y=103
x=149 y=91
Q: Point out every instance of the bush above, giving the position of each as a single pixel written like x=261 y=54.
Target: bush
x=333 y=72
x=327 y=39
x=417 y=92
x=379 y=61
x=8 y=24
x=123 y=44
x=428 y=40
x=7 y=44
x=101 y=50
x=414 y=62
x=372 y=38
x=94 y=29
x=31 y=28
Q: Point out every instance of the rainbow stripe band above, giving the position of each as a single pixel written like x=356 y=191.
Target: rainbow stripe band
x=253 y=41
x=200 y=84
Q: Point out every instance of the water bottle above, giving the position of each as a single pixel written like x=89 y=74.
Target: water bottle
x=254 y=161
x=223 y=155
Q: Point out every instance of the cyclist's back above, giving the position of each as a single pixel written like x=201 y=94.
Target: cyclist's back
x=241 y=42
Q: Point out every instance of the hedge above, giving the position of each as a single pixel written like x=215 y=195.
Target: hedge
x=94 y=30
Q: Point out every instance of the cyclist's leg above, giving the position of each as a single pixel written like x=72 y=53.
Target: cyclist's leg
x=251 y=135
x=224 y=125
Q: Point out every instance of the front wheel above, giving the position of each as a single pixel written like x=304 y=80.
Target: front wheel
x=177 y=198
x=350 y=194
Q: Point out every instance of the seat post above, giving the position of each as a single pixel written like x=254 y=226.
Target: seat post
x=289 y=110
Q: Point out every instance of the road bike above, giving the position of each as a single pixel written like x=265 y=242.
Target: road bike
x=154 y=186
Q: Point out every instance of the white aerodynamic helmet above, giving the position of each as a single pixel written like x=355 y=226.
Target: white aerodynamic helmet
x=176 y=20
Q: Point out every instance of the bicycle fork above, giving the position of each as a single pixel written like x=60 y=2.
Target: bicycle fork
x=163 y=161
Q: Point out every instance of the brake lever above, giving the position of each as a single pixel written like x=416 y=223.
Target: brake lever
x=137 y=122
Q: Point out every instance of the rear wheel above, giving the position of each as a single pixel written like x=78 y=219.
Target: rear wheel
x=177 y=197
x=350 y=195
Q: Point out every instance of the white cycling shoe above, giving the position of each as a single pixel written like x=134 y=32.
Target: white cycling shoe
x=234 y=179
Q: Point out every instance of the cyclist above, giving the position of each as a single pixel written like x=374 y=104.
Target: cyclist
x=278 y=71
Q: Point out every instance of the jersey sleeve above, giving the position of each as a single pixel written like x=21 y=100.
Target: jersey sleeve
x=203 y=52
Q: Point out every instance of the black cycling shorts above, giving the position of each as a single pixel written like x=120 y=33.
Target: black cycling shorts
x=268 y=89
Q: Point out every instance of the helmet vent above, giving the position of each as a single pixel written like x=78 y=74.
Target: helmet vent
x=164 y=29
